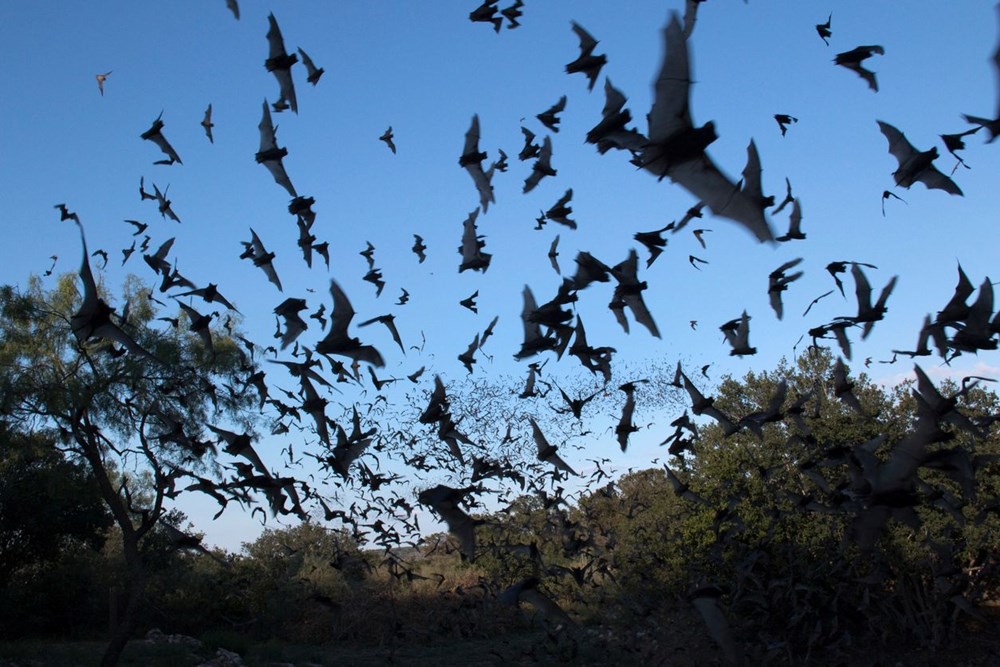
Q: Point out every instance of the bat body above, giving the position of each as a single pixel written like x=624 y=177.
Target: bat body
x=337 y=341
x=852 y=60
x=155 y=135
x=270 y=155
x=472 y=161
x=587 y=63
x=915 y=165
x=279 y=63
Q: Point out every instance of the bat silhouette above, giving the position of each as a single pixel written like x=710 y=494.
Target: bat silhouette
x=868 y=314
x=852 y=60
x=289 y=310
x=611 y=132
x=262 y=259
x=210 y=294
x=389 y=322
x=587 y=63
x=486 y=13
x=468 y=358
x=472 y=246
x=737 y=333
x=784 y=120
x=387 y=138
x=93 y=318
x=313 y=73
x=794 y=224
x=163 y=204
x=101 y=78
x=234 y=7
x=472 y=161
x=956 y=142
x=677 y=149
x=513 y=13
x=554 y=255
x=419 y=248
x=337 y=341
x=778 y=282
x=279 y=63
x=155 y=135
x=547 y=453
x=915 y=165
x=470 y=302
x=549 y=117
x=199 y=324
x=139 y=227
x=445 y=501
x=559 y=212
x=629 y=292
x=823 y=29
x=270 y=155
x=530 y=149
x=542 y=166
x=207 y=123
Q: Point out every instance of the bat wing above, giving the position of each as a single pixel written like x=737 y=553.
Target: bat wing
x=587 y=42
x=937 y=180
x=705 y=181
x=899 y=147
x=670 y=112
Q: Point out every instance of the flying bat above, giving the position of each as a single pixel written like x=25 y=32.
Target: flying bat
x=313 y=73
x=472 y=246
x=654 y=242
x=93 y=318
x=486 y=13
x=915 y=165
x=824 y=31
x=207 y=123
x=737 y=333
x=279 y=63
x=560 y=211
x=794 y=224
x=445 y=501
x=234 y=7
x=389 y=322
x=530 y=149
x=289 y=310
x=155 y=135
x=629 y=292
x=163 y=204
x=677 y=149
x=387 y=138
x=778 y=282
x=513 y=13
x=611 y=131
x=101 y=78
x=472 y=161
x=419 y=248
x=852 y=60
x=784 y=120
x=548 y=453
x=587 y=63
x=549 y=117
x=337 y=341
x=542 y=166
x=270 y=155
x=261 y=258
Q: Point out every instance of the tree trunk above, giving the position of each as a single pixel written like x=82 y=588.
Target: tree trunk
x=135 y=586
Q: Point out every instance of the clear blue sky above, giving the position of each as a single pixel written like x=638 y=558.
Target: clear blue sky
x=425 y=69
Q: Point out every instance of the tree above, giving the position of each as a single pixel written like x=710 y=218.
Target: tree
x=46 y=502
x=123 y=415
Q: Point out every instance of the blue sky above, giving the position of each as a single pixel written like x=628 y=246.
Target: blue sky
x=425 y=69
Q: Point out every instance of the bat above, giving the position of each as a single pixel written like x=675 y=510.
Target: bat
x=472 y=246
x=530 y=149
x=387 y=138
x=823 y=29
x=784 y=120
x=101 y=78
x=419 y=248
x=163 y=204
x=559 y=212
x=313 y=73
x=279 y=63
x=270 y=155
x=629 y=292
x=337 y=341
x=472 y=161
x=611 y=132
x=444 y=500
x=542 y=166
x=737 y=333
x=486 y=13
x=992 y=125
x=262 y=259
x=288 y=310
x=207 y=123
x=549 y=117
x=513 y=13
x=155 y=135
x=778 y=282
x=852 y=60
x=234 y=7
x=677 y=149
x=915 y=165
x=547 y=453
x=794 y=224
x=587 y=63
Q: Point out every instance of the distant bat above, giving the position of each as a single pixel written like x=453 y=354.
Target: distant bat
x=852 y=60
x=419 y=248
x=487 y=13
x=587 y=63
x=472 y=246
x=549 y=117
x=546 y=452
x=387 y=138
x=530 y=149
x=471 y=160
x=823 y=29
x=279 y=63
x=207 y=123
x=513 y=13
x=337 y=340
x=101 y=78
x=915 y=165
x=542 y=166
x=234 y=7
x=794 y=224
x=784 y=120
x=885 y=195
x=155 y=135
x=270 y=155
x=313 y=73
x=261 y=258
x=956 y=142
